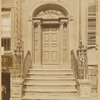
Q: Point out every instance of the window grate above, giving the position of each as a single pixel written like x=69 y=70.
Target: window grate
x=6 y=43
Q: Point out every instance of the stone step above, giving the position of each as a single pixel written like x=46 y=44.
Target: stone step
x=50 y=76
x=50 y=96
x=49 y=87
x=50 y=83
x=49 y=70
x=50 y=90
x=55 y=83
x=47 y=74
x=49 y=79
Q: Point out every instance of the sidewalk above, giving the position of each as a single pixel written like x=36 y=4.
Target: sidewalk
x=93 y=97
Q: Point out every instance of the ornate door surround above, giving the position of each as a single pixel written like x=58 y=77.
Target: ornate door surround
x=48 y=14
x=60 y=51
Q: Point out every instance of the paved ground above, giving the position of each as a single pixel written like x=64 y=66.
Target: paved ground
x=93 y=97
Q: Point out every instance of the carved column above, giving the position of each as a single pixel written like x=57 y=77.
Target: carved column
x=65 y=44
x=39 y=43
x=36 y=43
x=61 y=43
x=33 y=45
x=71 y=42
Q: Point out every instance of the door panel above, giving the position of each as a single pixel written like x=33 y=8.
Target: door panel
x=50 y=45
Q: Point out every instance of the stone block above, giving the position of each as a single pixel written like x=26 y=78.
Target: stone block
x=84 y=88
x=15 y=99
x=16 y=89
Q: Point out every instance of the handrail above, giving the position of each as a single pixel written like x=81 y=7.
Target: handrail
x=27 y=63
x=74 y=64
x=18 y=58
x=82 y=64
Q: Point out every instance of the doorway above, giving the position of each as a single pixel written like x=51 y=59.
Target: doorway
x=50 y=45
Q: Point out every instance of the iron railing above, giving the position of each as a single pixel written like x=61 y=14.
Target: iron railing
x=74 y=64
x=18 y=58
x=27 y=63
x=82 y=62
x=93 y=77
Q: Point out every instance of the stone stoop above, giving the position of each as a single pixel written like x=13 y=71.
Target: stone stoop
x=47 y=84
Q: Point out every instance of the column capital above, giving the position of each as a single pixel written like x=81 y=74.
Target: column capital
x=70 y=18
x=61 y=23
x=34 y=23
x=30 y=19
x=37 y=23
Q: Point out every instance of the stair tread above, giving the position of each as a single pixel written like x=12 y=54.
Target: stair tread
x=51 y=84
x=51 y=69
x=50 y=87
x=47 y=96
x=53 y=78
x=47 y=84
x=55 y=81
x=30 y=73
x=49 y=90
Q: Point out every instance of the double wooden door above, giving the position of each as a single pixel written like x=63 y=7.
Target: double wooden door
x=50 y=45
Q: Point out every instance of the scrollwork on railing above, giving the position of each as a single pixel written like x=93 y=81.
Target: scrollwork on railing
x=79 y=64
x=82 y=62
x=74 y=64
x=18 y=58
x=27 y=63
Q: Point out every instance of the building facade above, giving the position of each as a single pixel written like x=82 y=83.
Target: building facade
x=54 y=37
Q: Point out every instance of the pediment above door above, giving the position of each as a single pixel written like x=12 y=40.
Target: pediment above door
x=50 y=14
x=50 y=11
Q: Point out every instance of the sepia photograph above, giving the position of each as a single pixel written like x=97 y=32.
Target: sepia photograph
x=49 y=49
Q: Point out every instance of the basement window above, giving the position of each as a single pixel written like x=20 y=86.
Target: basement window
x=6 y=43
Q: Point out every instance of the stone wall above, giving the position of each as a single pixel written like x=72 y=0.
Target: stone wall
x=27 y=7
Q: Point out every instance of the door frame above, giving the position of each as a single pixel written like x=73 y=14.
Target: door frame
x=39 y=22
